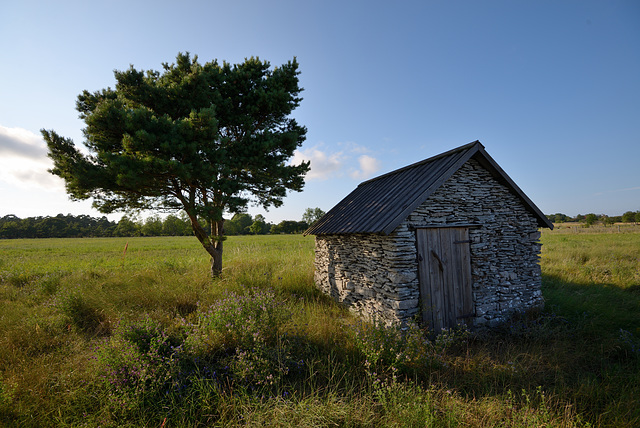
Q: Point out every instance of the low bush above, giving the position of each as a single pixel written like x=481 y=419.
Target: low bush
x=238 y=343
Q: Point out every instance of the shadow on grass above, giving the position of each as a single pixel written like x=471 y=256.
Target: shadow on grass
x=576 y=350
x=583 y=350
x=606 y=307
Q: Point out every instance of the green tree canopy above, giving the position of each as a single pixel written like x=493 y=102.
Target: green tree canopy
x=152 y=226
x=606 y=220
x=175 y=226
x=239 y=224
x=259 y=226
x=127 y=227
x=590 y=219
x=206 y=138
x=289 y=226
x=311 y=215
x=629 y=217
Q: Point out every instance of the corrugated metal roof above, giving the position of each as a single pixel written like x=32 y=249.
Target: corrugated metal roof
x=379 y=205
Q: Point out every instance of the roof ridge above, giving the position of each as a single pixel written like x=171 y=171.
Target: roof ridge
x=378 y=205
x=422 y=162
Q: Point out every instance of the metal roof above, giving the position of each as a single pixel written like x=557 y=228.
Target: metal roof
x=379 y=205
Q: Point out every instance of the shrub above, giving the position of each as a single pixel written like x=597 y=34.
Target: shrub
x=137 y=365
x=389 y=350
x=238 y=321
x=238 y=341
x=246 y=334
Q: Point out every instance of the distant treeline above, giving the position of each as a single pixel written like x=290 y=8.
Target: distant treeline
x=84 y=226
x=591 y=219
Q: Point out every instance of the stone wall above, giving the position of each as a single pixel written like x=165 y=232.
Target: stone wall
x=377 y=275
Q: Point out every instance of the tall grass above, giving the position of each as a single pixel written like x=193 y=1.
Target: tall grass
x=610 y=259
x=91 y=335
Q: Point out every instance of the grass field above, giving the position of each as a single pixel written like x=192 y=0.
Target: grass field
x=93 y=335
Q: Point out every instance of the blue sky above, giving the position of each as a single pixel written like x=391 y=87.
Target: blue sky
x=551 y=88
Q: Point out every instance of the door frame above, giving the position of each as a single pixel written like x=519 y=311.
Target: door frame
x=444 y=272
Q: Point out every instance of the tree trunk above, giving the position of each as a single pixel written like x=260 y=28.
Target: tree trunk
x=217 y=238
x=212 y=245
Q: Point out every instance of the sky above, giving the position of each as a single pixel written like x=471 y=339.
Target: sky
x=550 y=88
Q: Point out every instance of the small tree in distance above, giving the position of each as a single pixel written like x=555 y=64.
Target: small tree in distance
x=259 y=225
x=289 y=226
x=607 y=221
x=175 y=226
x=152 y=226
x=590 y=219
x=630 y=216
x=205 y=138
x=239 y=224
x=311 y=215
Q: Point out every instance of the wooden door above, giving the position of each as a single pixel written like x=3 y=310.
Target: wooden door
x=444 y=266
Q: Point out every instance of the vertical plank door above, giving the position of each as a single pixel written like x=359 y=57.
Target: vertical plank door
x=444 y=266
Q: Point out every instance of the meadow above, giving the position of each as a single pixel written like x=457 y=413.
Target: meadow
x=133 y=332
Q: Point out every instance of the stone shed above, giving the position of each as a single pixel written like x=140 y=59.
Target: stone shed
x=451 y=239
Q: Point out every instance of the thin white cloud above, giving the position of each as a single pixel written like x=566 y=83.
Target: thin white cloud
x=354 y=148
x=368 y=166
x=24 y=162
x=325 y=165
